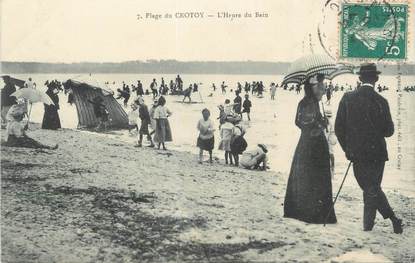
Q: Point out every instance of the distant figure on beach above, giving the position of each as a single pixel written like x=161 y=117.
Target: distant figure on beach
x=362 y=123
x=172 y=87
x=328 y=95
x=51 y=118
x=16 y=130
x=237 y=106
x=101 y=113
x=247 y=87
x=256 y=159
x=145 y=118
x=223 y=87
x=309 y=190
x=30 y=84
x=247 y=107
x=187 y=93
x=125 y=94
x=195 y=87
x=179 y=83
x=273 y=90
x=260 y=89
x=206 y=139
x=7 y=101
x=298 y=89
x=163 y=131
x=213 y=86
x=139 y=89
x=153 y=87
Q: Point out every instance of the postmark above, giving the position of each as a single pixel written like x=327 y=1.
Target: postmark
x=374 y=31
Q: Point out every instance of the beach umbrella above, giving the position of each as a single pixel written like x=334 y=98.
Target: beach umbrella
x=32 y=96
x=313 y=64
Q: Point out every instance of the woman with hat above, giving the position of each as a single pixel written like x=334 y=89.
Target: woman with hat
x=309 y=191
x=51 y=118
x=16 y=130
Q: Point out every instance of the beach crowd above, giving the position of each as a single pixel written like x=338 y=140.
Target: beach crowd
x=309 y=190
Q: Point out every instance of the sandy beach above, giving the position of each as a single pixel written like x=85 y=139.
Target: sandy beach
x=98 y=199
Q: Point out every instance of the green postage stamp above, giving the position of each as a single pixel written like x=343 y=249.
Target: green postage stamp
x=377 y=30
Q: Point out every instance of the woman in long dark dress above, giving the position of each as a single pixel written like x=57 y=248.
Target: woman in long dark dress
x=309 y=190
x=51 y=118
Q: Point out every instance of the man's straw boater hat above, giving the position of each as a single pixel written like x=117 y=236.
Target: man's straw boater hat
x=368 y=69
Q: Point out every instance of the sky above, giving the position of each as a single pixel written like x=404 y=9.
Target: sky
x=109 y=31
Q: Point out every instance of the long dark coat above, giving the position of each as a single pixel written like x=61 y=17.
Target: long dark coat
x=51 y=118
x=363 y=121
x=309 y=190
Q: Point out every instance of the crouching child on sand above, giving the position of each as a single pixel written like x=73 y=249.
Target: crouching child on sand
x=256 y=159
x=16 y=130
x=206 y=138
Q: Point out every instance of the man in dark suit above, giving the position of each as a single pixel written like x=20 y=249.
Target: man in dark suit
x=362 y=123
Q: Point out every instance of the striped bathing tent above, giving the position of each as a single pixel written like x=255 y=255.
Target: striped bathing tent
x=85 y=91
x=310 y=65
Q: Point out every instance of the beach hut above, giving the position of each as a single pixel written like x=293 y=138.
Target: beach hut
x=85 y=91
x=17 y=82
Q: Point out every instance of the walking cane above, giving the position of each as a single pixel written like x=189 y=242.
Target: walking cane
x=338 y=192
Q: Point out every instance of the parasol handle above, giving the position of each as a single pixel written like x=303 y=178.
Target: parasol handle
x=28 y=116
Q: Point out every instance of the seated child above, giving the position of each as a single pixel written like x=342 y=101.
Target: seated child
x=16 y=130
x=254 y=159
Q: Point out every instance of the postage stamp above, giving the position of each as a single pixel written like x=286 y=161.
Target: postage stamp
x=377 y=30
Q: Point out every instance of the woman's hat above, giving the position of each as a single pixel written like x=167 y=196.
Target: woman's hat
x=263 y=147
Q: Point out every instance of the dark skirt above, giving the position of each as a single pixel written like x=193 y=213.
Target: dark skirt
x=309 y=191
x=25 y=142
x=238 y=145
x=51 y=118
x=206 y=144
x=144 y=127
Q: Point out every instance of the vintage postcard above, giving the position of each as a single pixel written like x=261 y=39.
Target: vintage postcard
x=207 y=131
